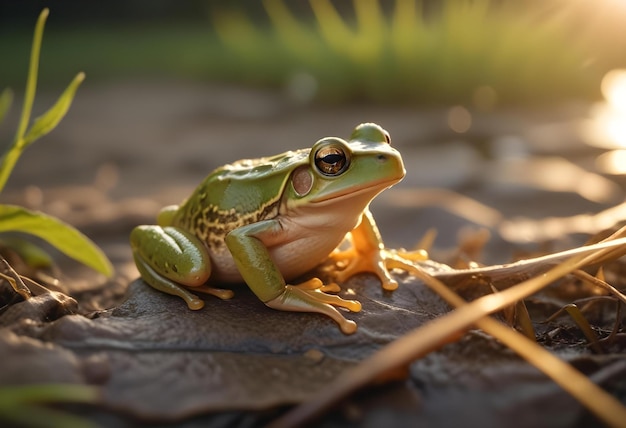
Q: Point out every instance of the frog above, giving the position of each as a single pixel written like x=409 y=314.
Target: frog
x=269 y=221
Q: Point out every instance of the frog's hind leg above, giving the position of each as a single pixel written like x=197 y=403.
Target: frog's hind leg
x=171 y=259
x=152 y=278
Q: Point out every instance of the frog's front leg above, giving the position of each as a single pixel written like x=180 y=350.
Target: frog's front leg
x=368 y=254
x=249 y=248
x=169 y=259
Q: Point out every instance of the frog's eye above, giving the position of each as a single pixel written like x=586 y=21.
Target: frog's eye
x=387 y=137
x=331 y=160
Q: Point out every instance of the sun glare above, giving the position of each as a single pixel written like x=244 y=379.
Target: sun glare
x=607 y=127
x=612 y=162
x=614 y=89
x=615 y=127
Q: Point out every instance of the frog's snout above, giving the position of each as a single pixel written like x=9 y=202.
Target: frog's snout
x=392 y=162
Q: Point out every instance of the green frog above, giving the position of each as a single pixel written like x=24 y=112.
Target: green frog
x=268 y=221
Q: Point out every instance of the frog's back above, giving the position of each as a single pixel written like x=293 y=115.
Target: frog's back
x=237 y=194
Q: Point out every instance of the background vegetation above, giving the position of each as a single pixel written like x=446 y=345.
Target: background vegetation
x=403 y=51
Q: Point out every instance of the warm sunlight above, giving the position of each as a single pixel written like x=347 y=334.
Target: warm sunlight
x=607 y=127
x=614 y=89
x=612 y=162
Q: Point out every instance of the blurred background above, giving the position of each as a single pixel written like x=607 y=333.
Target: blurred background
x=510 y=115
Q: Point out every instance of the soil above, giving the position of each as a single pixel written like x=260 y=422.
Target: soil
x=126 y=149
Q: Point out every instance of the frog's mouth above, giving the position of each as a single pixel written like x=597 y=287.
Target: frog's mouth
x=372 y=189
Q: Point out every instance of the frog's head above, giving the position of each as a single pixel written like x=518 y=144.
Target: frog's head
x=346 y=175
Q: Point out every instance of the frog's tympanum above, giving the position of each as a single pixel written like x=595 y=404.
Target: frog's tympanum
x=268 y=221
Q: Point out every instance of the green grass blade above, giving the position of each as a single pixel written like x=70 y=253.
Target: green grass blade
x=33 y=255
x=31 y=81
x=8 y=161
x=50 y=119
x=6 y=99
x=11 y=395
x=23 y=404
x=62 y=236
x=35 y=416
x=333 y=28
x=296 y=37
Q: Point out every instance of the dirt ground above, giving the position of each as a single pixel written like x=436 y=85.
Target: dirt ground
x=127 y=148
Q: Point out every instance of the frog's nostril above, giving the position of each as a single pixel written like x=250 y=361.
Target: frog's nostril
x=381 y=158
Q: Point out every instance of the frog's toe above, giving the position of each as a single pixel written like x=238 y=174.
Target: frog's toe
x=330 y=288
x=311 y=284
x=317 y=284
x=217 y=292
x=333 y=299
x=307 y=298
x=389 y=284
x=342 y=258
x=347 y=326
x=195 y=304
x=408 y=256
x=377 y=261
x=317 y=290
x=372 y=262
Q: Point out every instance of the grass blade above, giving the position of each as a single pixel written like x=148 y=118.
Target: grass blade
x=8 y=161
x=31 y=81
x=20 y=404
x=62 y=236
x=6 y=99
x=50 y=119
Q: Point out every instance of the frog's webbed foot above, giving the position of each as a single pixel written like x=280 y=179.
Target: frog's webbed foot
x=367 y=254
x=311 y=296
x=377 y=261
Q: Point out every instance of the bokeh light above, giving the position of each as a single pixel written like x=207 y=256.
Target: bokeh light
x=607 y=127
x=613 y=88
x=459 y=119
x=612 y=162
